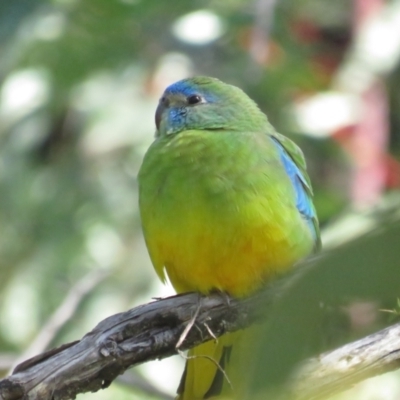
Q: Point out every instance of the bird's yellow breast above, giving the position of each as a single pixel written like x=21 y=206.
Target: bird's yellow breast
x=218 y=221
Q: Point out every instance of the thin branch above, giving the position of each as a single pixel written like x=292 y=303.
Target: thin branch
x=63 y=313
x=264 y=15
x=7 y=360
x=338 y=370
x=136 y=381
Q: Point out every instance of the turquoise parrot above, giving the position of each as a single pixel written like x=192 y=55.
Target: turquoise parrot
x=226 y=205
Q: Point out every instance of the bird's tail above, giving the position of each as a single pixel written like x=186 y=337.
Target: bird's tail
x=214 y=370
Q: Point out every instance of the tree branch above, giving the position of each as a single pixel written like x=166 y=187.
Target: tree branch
x=151 y=331
x=123 y=340
x=338 y=370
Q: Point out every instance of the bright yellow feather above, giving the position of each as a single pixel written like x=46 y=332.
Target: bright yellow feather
x=233 y=242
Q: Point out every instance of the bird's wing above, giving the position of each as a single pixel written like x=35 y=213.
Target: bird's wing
x=295 y=165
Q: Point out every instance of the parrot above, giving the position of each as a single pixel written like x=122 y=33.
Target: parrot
x=226 y=204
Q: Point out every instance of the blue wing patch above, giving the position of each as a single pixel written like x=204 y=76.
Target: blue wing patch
x=303 y=201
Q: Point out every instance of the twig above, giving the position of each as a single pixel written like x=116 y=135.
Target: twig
x=136 y=381
x=210 y=332
x=63 y=313
x=264 y=12
x=213 y=360
x=188 y=327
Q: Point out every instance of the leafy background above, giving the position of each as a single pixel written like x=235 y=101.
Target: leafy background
x=80 y=82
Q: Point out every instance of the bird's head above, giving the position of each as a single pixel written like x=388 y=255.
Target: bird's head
x=206 y=103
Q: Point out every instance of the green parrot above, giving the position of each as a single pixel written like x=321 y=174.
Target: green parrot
x=226 y=204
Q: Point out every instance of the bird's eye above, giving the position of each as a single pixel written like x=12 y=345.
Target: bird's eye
x=194 y=99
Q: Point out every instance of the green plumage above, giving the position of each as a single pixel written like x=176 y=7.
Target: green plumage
x=225 y=202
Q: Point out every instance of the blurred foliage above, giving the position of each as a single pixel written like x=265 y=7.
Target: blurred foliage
x=302 y=321
x=79 y=85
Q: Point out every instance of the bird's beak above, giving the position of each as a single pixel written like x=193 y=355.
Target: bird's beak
x=159 y=111
x=162 y=105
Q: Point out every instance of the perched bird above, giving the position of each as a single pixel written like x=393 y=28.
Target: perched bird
x=226 y=205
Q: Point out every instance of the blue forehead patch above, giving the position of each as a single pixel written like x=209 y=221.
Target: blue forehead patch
x=183 y=87
x=188 y=88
